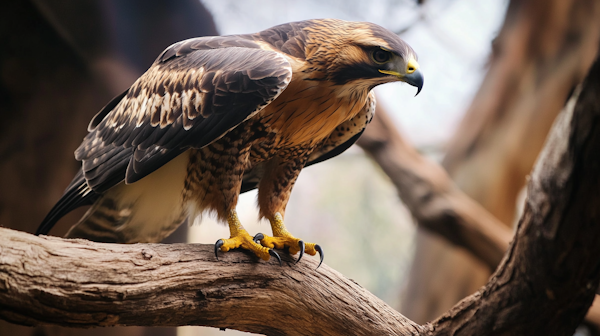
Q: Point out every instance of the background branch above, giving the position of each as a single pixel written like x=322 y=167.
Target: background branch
x=543 y=50
x=431 y=196
x=550 y=274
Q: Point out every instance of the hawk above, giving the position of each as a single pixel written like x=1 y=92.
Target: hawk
x=214 y=117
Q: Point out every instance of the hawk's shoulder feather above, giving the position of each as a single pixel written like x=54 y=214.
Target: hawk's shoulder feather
x=289 y=38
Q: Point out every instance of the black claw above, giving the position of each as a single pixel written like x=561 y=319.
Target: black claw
x=302 y=246
x=321 y=254
x=274 y=254
x=218 y=245
x=258 y=237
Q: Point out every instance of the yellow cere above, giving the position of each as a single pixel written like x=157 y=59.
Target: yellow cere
x=411 y=66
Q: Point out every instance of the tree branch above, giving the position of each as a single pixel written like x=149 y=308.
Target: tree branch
x=431 y=196
x=550 y=274
x=543 y=50
x=435 y=202
x=79 y=283
x=539 y=57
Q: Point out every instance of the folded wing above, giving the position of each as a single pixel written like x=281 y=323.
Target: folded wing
x=195 y=92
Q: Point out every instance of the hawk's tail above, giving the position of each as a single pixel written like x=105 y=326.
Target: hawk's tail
x=102 y=222
x=77 y=194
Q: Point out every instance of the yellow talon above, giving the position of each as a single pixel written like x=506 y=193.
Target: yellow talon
x=240 y=238
x=244 y=240
x=282 y=238
x=290 y=241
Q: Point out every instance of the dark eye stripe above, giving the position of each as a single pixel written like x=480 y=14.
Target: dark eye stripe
x=350 y=72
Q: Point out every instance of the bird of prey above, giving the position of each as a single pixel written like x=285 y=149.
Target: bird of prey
x=214 y=117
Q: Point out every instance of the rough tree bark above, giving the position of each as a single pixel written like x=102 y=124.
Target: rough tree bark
x=544 y=285
x=542 y=51
x=79 y=283
x=552 y=264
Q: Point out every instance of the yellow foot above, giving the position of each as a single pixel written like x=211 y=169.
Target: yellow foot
x=245 y=241
x=241 y=238
x=294 y=244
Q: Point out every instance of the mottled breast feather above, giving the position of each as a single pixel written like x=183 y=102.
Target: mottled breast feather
x=196 y=91
x=344 y=136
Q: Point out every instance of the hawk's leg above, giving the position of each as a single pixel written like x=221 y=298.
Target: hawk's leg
x=214 y=178
x=241 y=238
x=273 y=193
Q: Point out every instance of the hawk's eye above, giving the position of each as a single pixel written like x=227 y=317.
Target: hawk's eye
x=381 y=56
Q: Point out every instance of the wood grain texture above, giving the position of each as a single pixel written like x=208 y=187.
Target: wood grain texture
x=79 y=283
x=548 y=279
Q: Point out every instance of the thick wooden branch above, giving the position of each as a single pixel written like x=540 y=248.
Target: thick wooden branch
x=550 y=274
x=431 y=196
x=79 y=283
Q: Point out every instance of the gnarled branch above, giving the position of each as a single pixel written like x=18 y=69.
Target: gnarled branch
x=79 y=283
x=550 y=274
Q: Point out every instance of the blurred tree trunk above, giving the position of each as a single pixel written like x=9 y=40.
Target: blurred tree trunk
x=543 y=50
x=60 y=62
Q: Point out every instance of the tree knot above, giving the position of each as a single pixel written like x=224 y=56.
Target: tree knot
x=146 y=254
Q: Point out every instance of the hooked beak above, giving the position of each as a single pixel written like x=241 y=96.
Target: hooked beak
x=414 y=79
x=412 y=75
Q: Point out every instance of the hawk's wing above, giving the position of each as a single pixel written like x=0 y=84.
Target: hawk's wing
x=195 y=92
x=344 y=136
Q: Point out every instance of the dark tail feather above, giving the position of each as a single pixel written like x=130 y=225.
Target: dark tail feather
x=78 y=194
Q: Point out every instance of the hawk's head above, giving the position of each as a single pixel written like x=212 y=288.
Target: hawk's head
x=359 y=53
